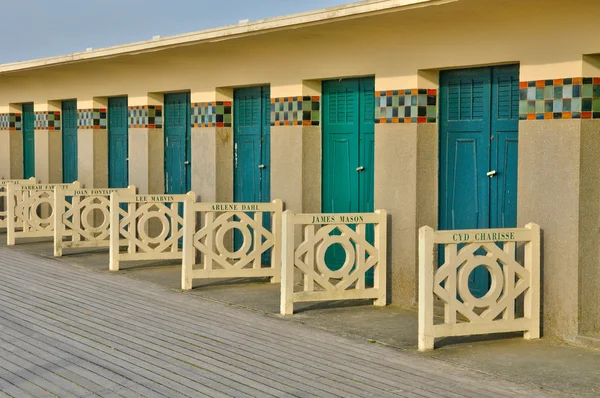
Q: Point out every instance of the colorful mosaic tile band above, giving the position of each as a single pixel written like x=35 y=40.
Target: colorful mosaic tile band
x=571 y=98
x=146 y=116
x=47 y=120
x=4 y=121
x=296 y=111
x=15 y=121
x=406 y=106
x=211 y=114
x=91 y=119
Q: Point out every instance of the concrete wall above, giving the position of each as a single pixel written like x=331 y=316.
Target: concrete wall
x=558 y=179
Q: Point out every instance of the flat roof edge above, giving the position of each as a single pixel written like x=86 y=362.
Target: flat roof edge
x=348 y=11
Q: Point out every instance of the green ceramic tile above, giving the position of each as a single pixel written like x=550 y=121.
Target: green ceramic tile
x=588 y=91
x=596 y=105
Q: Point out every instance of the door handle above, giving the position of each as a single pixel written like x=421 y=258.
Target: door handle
x=491 y=173
x=186 y=162
x=261 y=166
x=127 y=159
x=359 y=169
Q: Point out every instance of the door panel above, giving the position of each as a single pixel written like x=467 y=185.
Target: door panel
x=504 y=146
x=28 y=141
x=348 y=153
x=252 y=151
x=118 y=145
x=177 y=134
x=340 y=146
x=464 y=149
x=69 y=141
x=479 y=134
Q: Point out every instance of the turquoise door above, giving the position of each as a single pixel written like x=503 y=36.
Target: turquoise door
x=118 y=135
x=252 y=144
x=479 y=113
x=252 y=151
x=348 y=151
x=69 y=141
x=177 y=143
x=28 y=141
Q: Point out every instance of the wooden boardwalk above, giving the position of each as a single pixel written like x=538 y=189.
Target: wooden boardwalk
x=67 y=331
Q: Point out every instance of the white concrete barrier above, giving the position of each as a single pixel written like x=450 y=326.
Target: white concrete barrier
x=4 y=198
x=306 y=256
x=82 y=217
x=31 y=208
x=495 y=312
x=207 y=250
x=133 y=226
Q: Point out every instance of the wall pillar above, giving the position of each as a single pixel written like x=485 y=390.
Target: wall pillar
x=48 y=142
x=11 y=142
x=212 y=145
x=559 y=188
x=92 y=142
x=146 y=143
x=296 y=153
x=406 y=177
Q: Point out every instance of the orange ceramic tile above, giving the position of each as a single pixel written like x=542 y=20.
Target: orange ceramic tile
x=530 y=116
x=548 y=115
x=316 y=98
x=522 y=84
x=586 y=115
x=406 y=120
x=395 y=120
x=597 y=80
x=382 y=120
x=577 y=80
x=567 y=115
x=558 y=82
x=540 y=83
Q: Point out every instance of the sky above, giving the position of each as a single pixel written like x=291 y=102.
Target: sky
x=34 y=29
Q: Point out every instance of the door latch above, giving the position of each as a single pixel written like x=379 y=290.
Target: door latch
x=491 y=173
x=261 y=166
x=127 y=160
x=359 y=169
x=187 y=162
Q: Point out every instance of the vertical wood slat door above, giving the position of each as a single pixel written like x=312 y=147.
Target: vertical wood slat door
x=177 y=140
x=348 y=152
x=478 y=152
x=252 y=151
x=69 y=141
x=28 y=141
x=118 y=145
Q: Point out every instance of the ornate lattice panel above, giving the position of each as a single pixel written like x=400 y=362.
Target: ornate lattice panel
x=232 y=241
x=512 y=302
x=82 y=217
x=4 y=199
x=151 y=226
x=324 y=276
x=31 y=208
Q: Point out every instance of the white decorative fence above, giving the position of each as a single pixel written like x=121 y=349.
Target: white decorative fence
x=31 y=208
x=134 y=225
x=207 y=251
x=4 y=198
x=496 y=311
x=319 y=281
x=82 y=217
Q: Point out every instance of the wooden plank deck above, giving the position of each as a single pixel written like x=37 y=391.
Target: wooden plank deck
x=67 y=331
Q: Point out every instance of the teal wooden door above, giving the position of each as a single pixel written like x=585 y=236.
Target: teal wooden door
x=177 y=143
x=348 y=151
x=252 y=142
x=479 y=135
x=28 y=141
x=252 y=151
x=118 y=145
x=69 y=141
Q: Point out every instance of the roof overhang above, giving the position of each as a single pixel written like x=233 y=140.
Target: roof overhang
x=327 y=15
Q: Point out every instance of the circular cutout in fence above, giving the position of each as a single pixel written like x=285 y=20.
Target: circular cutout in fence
x=333 y=270
x=99 y=215
x=496 y=277
x=40 y=207
x=246 y=239
x=144 y=228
